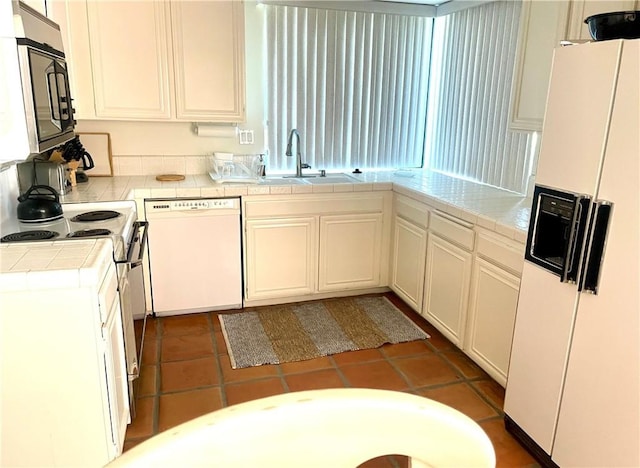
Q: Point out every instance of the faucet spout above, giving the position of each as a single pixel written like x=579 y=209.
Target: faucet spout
x=299 y=164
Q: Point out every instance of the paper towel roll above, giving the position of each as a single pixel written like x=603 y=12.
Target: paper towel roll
x=218 y=131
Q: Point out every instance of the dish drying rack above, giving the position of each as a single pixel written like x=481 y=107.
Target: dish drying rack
x=239 y=168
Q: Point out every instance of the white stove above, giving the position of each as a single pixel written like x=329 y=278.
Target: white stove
x=118 y=221
x=80 y=220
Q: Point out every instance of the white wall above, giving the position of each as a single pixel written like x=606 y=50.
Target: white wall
x=8 y=191
x=176 y=139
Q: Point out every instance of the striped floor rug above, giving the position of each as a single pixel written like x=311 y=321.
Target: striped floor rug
x=295 y=332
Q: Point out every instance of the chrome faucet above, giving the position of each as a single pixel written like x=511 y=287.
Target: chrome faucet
x=299 y=164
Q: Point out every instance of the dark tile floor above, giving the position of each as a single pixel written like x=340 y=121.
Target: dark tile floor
x=186 y=373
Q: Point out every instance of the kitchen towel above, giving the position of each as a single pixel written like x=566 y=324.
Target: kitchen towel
x=296 y=332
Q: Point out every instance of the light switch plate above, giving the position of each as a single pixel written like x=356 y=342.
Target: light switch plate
x=245 y=137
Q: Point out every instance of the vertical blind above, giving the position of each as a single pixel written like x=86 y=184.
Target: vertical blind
x=353 y=84
x=468 y=130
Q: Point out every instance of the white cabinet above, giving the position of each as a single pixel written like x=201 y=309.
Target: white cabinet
x=38 y=5
x=208 y=51
x=63 y=378
x=448 y=276
x=447 y=287
x=350 y=249
x=493 y=302
x=582 y=9
x=116 y=374
x=301 y=245
x=543 y=25
x=280 y=257
x=409 y=250
x=155 y=60
x=130 y=59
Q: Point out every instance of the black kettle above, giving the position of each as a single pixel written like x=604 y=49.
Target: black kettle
x=36 y=207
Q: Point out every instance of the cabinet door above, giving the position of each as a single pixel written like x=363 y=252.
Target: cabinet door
x=116 y=376
x=492 y=313
x=446 y=291
x=542 y=26
x=350 y=247
x=208 y=49
x=130 y=59
x=408 y=262
x=280 y=257
x=71 y=16
x=582 y=9
x=38 y=5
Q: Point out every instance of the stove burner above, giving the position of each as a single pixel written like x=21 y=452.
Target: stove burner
x=99 y=215
x=90 y=233
x=25 y=236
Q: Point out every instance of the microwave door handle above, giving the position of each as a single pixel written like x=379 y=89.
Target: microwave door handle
x=594 y=252
x=52 y=84
x=576 y=239
x=63 y=99
x=64 y=103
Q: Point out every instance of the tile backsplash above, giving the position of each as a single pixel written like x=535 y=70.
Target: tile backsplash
x=156 y=165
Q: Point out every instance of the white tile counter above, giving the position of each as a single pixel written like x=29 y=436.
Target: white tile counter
x=54 y=264
x=497 y=210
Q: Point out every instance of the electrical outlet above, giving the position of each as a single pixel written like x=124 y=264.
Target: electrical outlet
x=246 y=137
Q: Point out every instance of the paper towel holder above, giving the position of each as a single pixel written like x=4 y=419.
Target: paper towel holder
x=211 y=129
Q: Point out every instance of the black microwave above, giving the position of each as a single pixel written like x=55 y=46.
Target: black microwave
x=45 y=81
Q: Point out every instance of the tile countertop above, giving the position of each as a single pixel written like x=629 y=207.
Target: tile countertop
x=504 y=212
x=57 y=264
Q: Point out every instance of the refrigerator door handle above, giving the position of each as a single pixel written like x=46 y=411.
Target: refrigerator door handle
x=594 y=252
x=578 y=230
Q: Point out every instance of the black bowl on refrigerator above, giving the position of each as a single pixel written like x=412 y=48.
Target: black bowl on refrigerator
x=614 y=25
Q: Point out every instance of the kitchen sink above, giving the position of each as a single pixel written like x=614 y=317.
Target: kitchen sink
x=282 y=181
x=332 y=179
x=329 y=179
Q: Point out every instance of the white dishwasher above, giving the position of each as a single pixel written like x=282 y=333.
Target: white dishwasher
x=194 y=255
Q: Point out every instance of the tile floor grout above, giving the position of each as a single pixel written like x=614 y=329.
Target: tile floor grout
x=438 y=349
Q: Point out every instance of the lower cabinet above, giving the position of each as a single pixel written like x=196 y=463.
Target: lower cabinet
x=116 y=374
x=300 y=245
x=408 y=256
x=281 y=257
x=409 y=250
x=63 y=386
x=448 y=276
x=493 y=302
x=350 y=249
x=492 y=313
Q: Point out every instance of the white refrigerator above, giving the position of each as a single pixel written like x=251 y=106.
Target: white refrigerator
x=573 y=388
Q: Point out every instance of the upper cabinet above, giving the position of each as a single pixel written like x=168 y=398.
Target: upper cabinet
x=208 y=89
x=580 y=10
x=129 y=44
x=155 y=60
x=542 y=27
x=543 y=24
x=38 y=5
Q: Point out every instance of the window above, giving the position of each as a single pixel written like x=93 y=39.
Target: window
x=353 y=84
x=380 y=91
x=469 y=98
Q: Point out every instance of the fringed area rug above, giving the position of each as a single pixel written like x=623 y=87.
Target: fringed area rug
x=295 y=332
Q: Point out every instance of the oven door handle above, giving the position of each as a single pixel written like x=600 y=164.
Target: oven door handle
x=137 y=238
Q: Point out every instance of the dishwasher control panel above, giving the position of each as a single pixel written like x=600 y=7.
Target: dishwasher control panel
x=192 y=204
